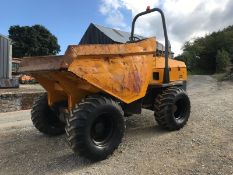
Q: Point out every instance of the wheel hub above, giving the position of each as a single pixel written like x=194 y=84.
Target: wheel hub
x=179 y=109
x=101 y=130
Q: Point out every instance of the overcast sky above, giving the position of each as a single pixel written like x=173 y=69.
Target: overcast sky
x=186 y=19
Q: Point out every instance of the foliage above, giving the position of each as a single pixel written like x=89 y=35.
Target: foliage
x=222 y=61
x=33 y=41
x=201 y=53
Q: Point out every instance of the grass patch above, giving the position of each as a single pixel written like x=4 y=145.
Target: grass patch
x=220 y=76
x=199 y=72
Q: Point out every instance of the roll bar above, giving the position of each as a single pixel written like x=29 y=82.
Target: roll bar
x=166 y=78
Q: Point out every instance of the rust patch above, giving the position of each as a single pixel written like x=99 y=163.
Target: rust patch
x=126 y=78
x=48 y=63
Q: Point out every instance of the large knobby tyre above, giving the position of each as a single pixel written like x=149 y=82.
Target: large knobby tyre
x=95 y=127
x=45 y=119
x=172 y=108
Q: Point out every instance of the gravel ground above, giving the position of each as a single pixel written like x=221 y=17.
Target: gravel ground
x=203 y=146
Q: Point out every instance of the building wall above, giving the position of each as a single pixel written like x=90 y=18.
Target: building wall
x=5 y=58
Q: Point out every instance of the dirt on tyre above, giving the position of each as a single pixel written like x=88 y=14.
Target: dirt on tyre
x=172 y=108
x=45 y=119
x=96 y=127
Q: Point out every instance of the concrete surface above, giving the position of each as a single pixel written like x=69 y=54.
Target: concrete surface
x=203 y=146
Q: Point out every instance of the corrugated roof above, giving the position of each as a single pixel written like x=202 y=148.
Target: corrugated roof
x=116 y=35
x=96 y=34
x=3 y=36
x=122 y=36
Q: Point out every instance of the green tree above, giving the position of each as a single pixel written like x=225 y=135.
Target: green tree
x=206 y=49
x=33 y=41
x=222 y=61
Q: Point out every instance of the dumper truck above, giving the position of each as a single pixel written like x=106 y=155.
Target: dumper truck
x=93 y=87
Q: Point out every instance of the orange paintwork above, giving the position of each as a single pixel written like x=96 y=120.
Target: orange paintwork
x=125 y=78
x=178 y=71
x=121 y=70
x=26 y=79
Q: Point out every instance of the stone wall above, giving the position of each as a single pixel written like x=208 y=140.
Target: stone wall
x=17 y=101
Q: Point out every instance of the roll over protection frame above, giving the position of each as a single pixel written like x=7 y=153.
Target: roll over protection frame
x=166 y=78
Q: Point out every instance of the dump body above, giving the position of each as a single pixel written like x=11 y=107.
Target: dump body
x=122 y=70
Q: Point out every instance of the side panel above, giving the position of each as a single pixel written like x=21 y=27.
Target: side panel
x=5 y=58
x=178 y=71
x=125 y=78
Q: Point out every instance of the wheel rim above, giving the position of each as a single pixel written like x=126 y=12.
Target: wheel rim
x=179 y=109
x=102 y=130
